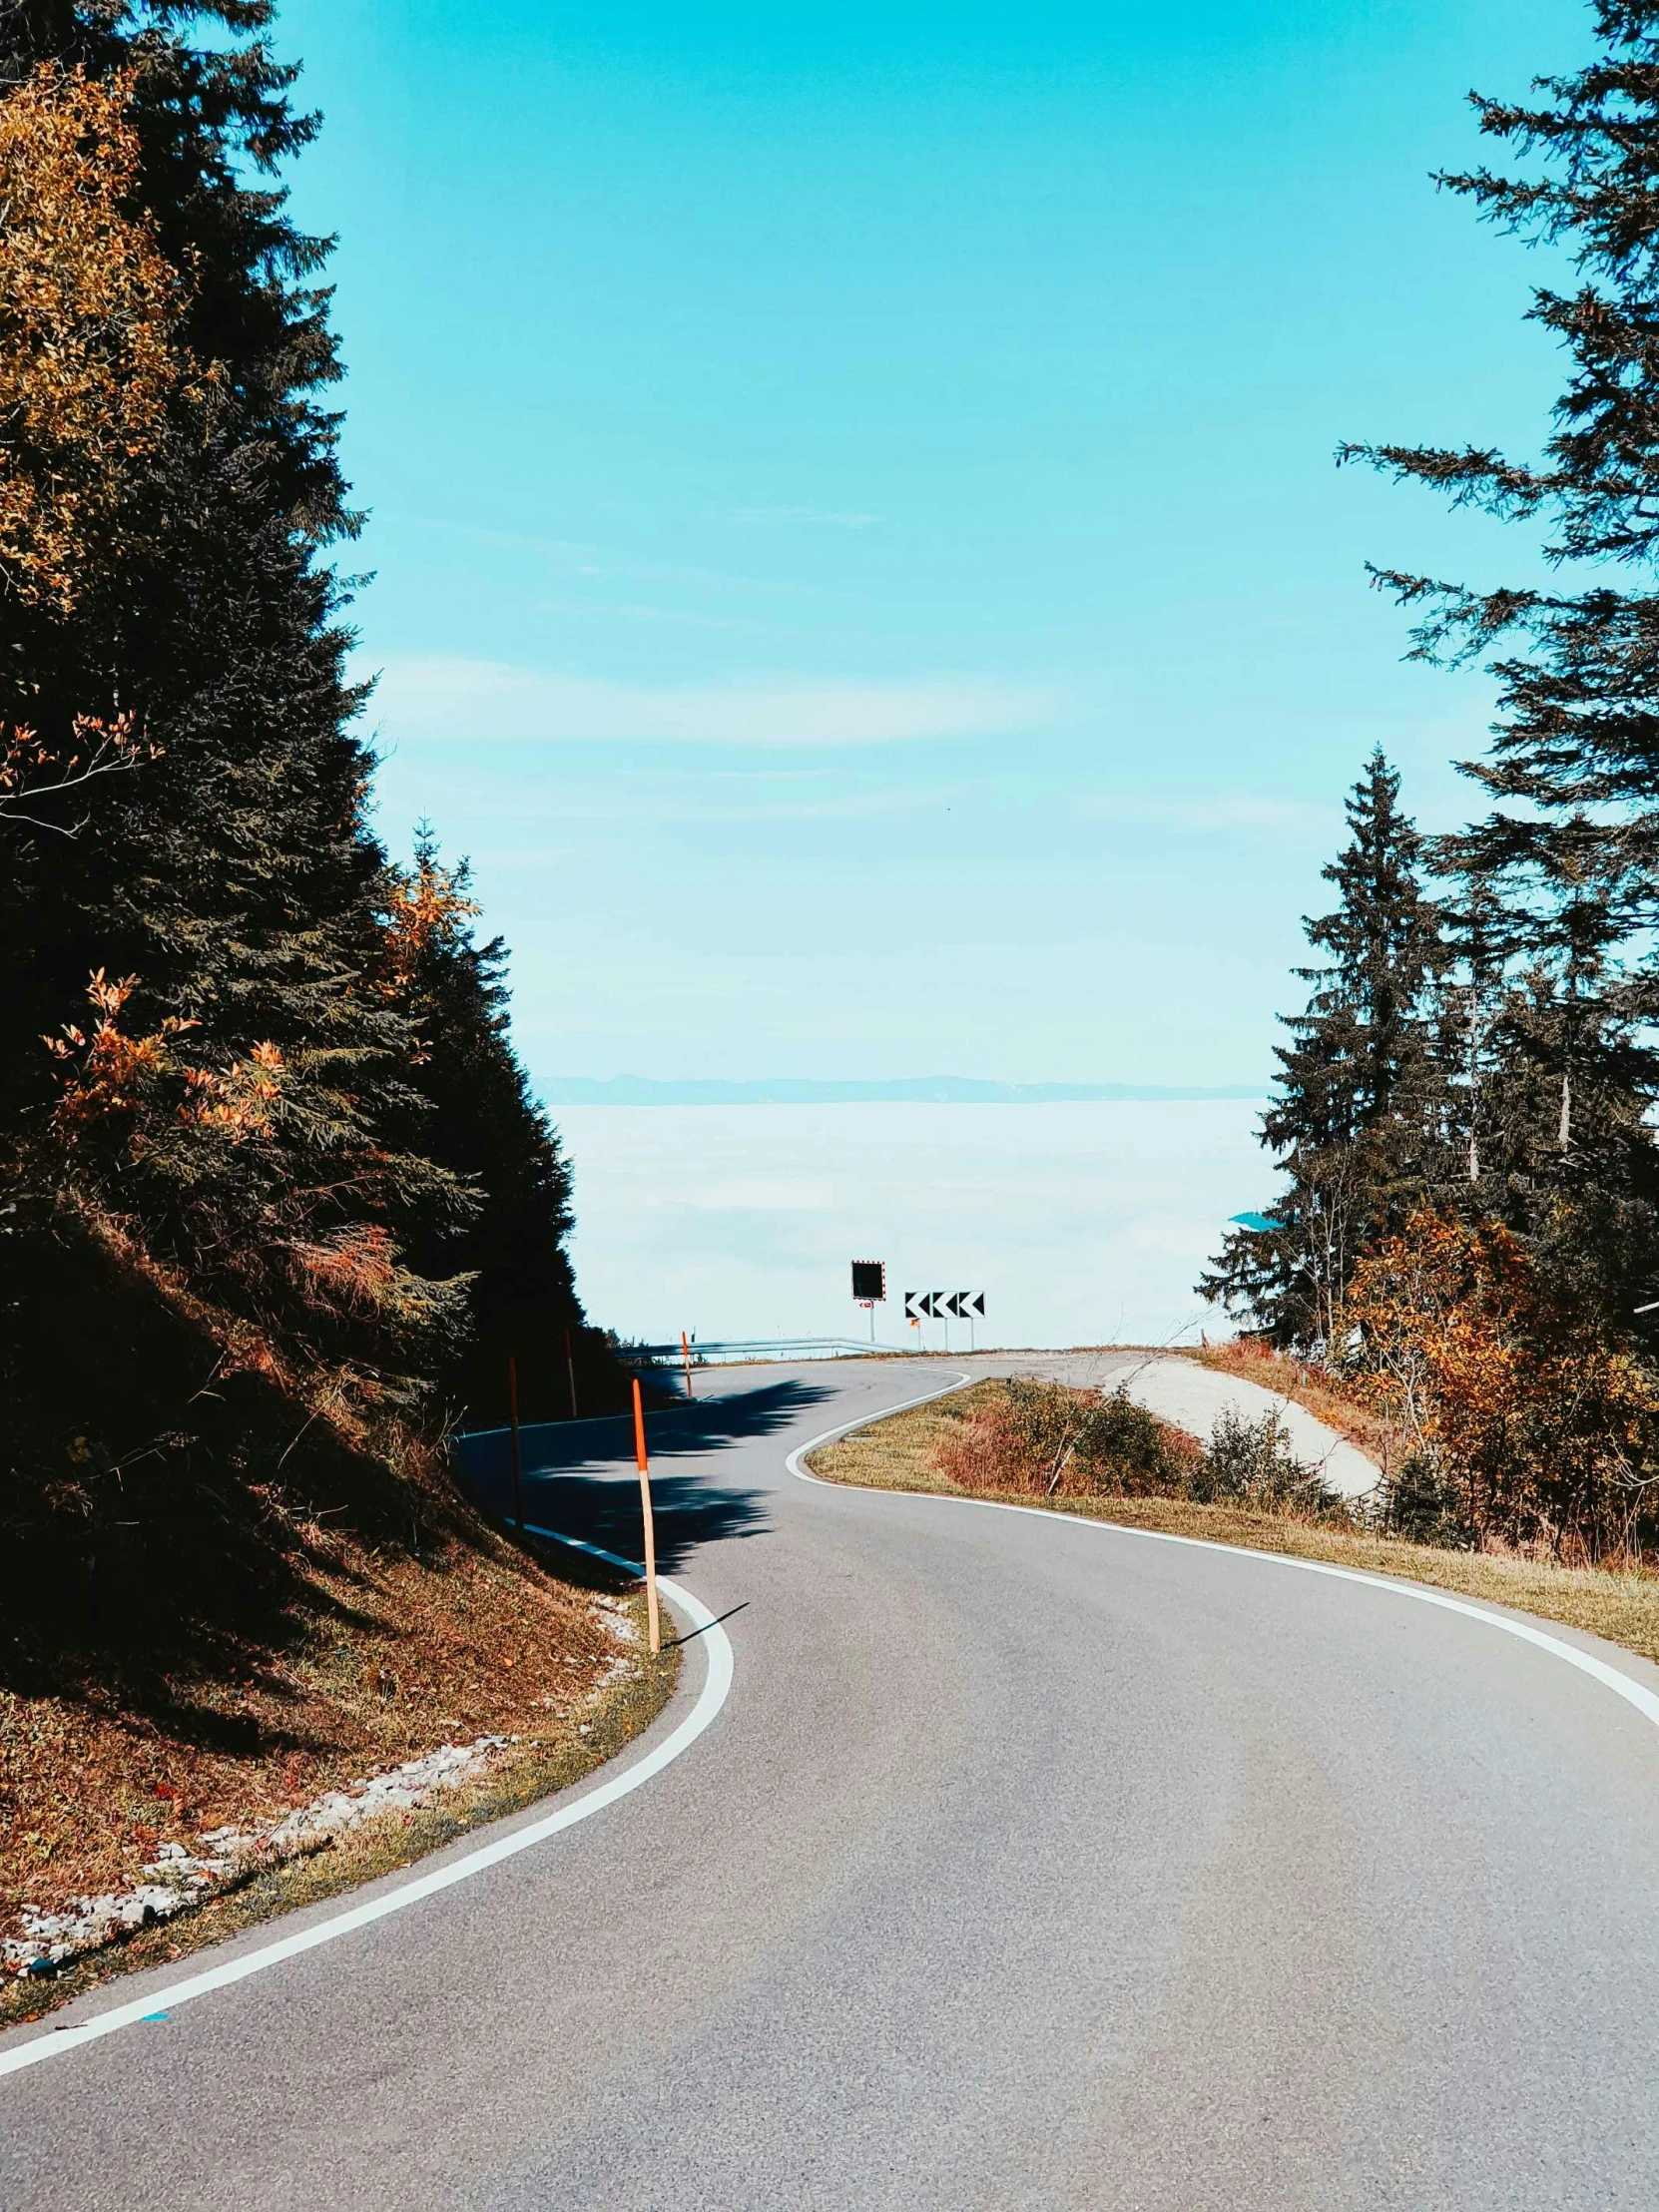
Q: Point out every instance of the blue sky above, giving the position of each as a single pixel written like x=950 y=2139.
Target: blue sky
x=858 y=561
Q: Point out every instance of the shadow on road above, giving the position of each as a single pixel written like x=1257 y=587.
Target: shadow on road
x=579 y=1477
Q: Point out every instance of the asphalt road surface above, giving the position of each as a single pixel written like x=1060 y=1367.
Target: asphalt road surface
x=1028 y=1864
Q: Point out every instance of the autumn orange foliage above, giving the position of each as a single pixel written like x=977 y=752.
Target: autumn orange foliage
x=424 y=908
x=1549 y=1433
x=33 y=772
x=1052 y=1440
x=425 y=915
x=90 y=313
x=114 y=1083
x=354 y=1268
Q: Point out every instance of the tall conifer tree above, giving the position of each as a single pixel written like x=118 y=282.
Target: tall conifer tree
x=483 y=1122
x=1568 y=854
x=237 y=1107
x=1356 y=1124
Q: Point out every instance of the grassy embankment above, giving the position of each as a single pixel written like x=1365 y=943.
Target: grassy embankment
x=899 y=1453
x=361 y=1650
x=1364 y=1429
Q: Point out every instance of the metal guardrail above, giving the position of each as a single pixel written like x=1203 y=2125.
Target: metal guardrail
x=732 y=1352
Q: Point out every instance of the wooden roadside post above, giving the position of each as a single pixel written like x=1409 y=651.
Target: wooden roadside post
x=518 y=1457
x=650 y=1528
x=569 y=1370
x=685 y=1354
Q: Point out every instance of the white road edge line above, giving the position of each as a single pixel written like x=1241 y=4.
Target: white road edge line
x=1633 y=1693
x=54 y=2043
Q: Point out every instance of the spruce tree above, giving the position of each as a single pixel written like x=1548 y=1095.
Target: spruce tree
x=1569 y=853
x=1357 y=1122
x=237 y=1111
x=483 y=1124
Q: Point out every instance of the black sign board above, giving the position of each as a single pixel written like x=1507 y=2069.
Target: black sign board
x=870 y=1282
x=938 y=1305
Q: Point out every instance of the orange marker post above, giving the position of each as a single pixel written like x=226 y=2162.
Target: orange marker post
x=650 y=1526
x=685 y=1354
x=518 y=1457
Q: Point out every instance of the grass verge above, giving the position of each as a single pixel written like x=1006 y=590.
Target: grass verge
x=897 y=1455
x=1364 y=1427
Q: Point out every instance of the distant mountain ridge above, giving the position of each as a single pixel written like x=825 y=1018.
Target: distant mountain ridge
x=915 y=1090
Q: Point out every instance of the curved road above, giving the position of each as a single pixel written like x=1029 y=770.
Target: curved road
x=1029 y=1863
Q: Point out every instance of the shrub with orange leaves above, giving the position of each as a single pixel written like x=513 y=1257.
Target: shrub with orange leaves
x=116 y=1085
x=109 y=1076
x=1548 y=1432
x=1048 y=1438
x=89 y=310
x=426 y=910
x=240 y=1098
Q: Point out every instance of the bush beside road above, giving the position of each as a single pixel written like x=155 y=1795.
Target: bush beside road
x=905 y=1451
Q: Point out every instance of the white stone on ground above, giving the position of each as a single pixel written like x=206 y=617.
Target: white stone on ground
x=181 y=1877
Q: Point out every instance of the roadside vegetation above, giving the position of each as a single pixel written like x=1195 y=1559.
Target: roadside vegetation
x=1464 y=1247
x=1246 y=1489
x=284 y=1652
x=275 y=1200
x=1307 y=1382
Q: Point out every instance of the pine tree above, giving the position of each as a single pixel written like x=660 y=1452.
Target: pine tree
x=238 y=1111
x=1356 y=1123
x=1568 y=854
x=483 y=1125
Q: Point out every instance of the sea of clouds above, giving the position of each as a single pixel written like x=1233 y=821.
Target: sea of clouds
x=1082 y=1223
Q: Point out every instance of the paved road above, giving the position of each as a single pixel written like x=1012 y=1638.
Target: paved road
x=1030 y=1863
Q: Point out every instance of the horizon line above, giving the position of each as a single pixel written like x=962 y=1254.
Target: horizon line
x=920 y=1090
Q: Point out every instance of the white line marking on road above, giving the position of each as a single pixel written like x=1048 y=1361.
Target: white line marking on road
x=54 y=2043
x=1644 y=1700
x=792 y=1462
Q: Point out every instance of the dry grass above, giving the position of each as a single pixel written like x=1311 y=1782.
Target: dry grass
x=391 y=1655
x=896 y=1454
x=1308 y=1388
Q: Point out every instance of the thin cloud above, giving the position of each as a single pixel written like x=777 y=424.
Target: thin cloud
x=1224 y=810
x=437 y=697
x=580 y=557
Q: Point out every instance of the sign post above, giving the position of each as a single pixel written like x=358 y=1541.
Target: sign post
x=569 y=1370
x=869 y=1288
x=940 y=1304
x=518 y=1459
x=650 y=1526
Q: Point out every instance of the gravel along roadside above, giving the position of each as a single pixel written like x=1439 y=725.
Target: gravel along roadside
x=217 y=1884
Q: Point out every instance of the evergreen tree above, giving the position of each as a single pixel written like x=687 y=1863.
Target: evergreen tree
x=237 y=1114
x=483 y=1125
x=1357 y=1121
x=1569 y=853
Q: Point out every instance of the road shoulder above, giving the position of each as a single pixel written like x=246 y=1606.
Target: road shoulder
x=894 y=1452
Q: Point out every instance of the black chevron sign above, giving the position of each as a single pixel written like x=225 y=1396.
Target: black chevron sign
x=940 y=1304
